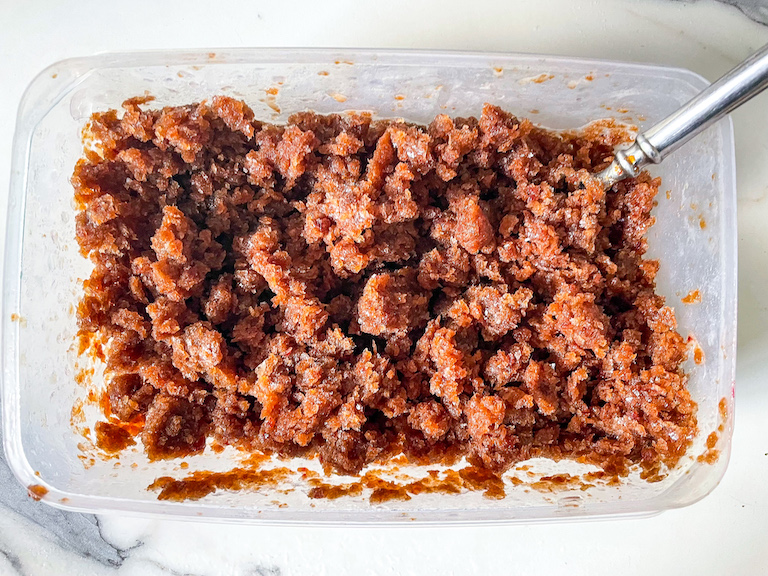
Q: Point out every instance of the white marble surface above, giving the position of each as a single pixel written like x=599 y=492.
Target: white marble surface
x=724 y=533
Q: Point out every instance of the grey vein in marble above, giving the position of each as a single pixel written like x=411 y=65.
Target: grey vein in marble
x=265 y=571
x=11 y=560
x=756 y=10
x=73 y=531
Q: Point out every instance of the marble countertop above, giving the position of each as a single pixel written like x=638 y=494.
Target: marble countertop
x=724 y=533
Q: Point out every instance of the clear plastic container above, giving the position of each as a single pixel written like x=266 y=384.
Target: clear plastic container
x=694 y=237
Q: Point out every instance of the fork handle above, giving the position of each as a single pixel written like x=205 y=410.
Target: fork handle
x=742 y=83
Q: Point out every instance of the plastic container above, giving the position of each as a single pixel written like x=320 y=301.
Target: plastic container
x=694 y=237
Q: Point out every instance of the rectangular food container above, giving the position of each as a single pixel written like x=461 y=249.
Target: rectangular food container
x=694 y=238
